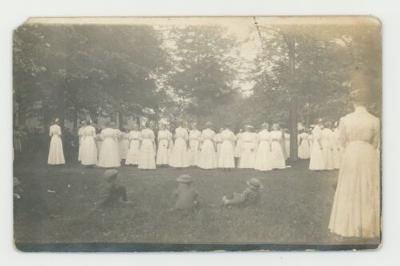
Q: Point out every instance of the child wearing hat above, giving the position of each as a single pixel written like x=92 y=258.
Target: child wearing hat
x=116 y=192
x=249 y=196
x=185 y=194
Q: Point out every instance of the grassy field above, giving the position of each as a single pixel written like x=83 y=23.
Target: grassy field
x=59 y=206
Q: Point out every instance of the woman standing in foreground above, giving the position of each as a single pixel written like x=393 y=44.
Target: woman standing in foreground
x=356 y=206
x=56 y=153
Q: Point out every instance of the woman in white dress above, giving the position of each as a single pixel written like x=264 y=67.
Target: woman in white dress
x=194 y=145
x=56 y=153
x=147 y=157
x=327 y=146
x=238 y=147
x=134 y=146
x=277 y=156
x=164 y=137
x=248 y=148
x=304 y=146
x=208 y=155
x=109 y=154
x=123 y=145
x=226 y=159
x=356 y=205
x=337 y=148
x=80 y=138
x=179 y=157
x=317 y=161
x=89 y=148
x=264 y=150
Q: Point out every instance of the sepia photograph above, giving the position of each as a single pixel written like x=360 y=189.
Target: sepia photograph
x=197 y=133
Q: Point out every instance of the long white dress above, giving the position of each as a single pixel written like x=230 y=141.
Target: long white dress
x=179 y=156
x=194 y=147
x=264 y=151
x=277 y=155
x=248 y=150
x=304 y=146
x=80 y=136
x=337 y=149
x=123 y=145
x=164 y=139
x=327 y=148
x=89 y=147
x=227 y=151
x=109 y=154
x=316 y=156
x=147 y=157
x=208 y=155
x=134 y=148
x=356 y=205
x=56 y=153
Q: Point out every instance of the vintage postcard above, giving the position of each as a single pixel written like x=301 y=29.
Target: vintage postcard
x=197 y=133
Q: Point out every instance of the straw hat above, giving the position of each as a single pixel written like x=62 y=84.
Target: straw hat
x=185 y=178
x=254 y=183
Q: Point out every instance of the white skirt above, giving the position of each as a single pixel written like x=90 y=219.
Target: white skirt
x=226 y=155
x=162 y=152
x=132 y=157
x=316 y=158
x=304 y=150
x=179 y=157
x=109 y=154
x=263 y=157
x=329 y=160
x=208 y=156
x=277 y=156
x=56 y=153
x=194 y=153
x=147 y=158
x=89 y=151
x=247 y=155
x=356 y=206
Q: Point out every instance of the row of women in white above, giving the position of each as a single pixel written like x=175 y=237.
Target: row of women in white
x=265 y=150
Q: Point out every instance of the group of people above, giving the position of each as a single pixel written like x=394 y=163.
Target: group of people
x=264 y=150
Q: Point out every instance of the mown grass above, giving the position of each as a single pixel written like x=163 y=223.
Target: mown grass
x=60 y=205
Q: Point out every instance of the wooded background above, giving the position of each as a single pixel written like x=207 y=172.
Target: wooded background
x=194 y=72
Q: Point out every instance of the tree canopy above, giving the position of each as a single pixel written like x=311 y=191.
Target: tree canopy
x=191 y=72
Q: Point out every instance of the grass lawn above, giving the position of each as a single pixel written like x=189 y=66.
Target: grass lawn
x=59 y=206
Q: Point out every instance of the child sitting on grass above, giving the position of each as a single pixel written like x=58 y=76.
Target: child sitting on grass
x=250 y=196
x=186 y=196
x=116 y=192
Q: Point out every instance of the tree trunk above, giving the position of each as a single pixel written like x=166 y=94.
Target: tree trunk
x=293 y=129
x=293 y=115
